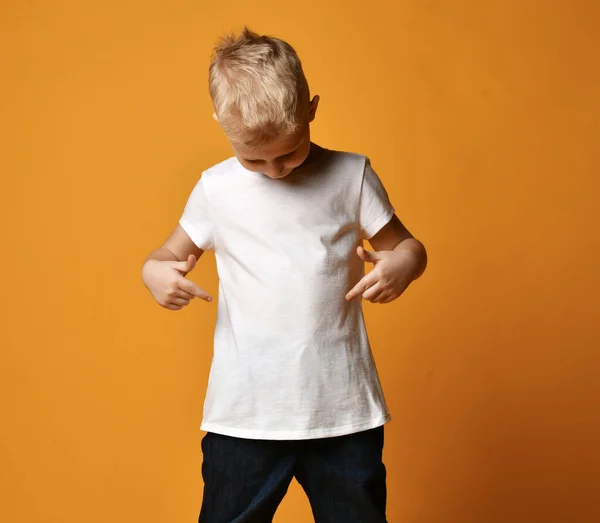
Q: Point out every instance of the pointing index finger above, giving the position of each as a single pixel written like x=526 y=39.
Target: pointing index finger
x=192 y=288
x=367 y=281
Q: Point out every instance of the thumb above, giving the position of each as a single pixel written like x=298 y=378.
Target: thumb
x=185 y=266
x=368 y=256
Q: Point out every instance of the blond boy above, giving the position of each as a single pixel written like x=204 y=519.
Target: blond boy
x=293 y=389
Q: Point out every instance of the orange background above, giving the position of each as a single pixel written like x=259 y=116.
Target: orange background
x=482 y=118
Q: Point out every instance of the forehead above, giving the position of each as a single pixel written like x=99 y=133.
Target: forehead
x=272 y=149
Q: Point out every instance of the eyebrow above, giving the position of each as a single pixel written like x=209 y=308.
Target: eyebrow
x=278 y=158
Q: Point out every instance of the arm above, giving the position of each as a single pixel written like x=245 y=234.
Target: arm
x=395 y=237
x=398 y=259
x=177 y=247
x=165 y=268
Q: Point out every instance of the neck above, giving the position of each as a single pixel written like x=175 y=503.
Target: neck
x=315 y=152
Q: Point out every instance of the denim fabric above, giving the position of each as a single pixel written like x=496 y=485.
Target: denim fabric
x=245 y=480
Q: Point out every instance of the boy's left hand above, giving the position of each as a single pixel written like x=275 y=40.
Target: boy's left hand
x=392 y=273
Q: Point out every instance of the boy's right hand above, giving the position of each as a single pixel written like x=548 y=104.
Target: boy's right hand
x=167 y=283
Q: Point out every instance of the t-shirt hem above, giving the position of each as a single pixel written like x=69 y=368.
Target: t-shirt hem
x=191 y=232
x=295 y=435
x=379 y=223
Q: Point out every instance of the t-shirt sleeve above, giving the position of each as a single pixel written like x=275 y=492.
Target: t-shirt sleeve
x=375 y=207
x=196 y=220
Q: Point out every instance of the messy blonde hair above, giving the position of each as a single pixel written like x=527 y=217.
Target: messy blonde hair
x=258 y=87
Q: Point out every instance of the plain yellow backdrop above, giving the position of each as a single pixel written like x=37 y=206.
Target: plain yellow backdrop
x=482 y=119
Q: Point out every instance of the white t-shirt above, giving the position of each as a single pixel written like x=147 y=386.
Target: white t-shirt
x=291 y=356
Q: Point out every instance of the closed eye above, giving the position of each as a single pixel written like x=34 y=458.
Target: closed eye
x=288 y=155
x=282 y=157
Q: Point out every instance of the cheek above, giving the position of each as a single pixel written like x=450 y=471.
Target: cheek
x=292 y=164
x=299 y=159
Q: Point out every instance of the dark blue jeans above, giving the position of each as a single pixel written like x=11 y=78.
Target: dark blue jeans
x=245 y=480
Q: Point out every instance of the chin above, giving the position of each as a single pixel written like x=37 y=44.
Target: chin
x=280 y=176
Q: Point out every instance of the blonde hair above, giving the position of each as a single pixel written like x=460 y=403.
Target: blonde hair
x=258 y=87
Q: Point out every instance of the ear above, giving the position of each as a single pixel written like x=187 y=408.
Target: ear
x=312 y=108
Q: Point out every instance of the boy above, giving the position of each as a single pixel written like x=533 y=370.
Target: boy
x=293 y=390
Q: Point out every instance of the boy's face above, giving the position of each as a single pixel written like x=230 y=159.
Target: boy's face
x=280 y=156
